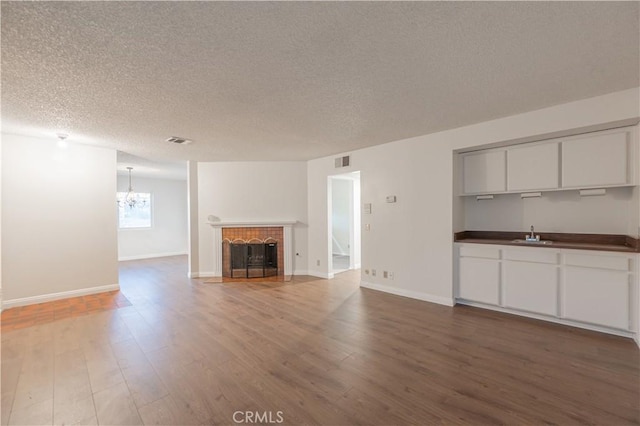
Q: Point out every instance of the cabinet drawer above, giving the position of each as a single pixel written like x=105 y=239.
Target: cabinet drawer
x=537 y=255
x=619 y=263
x=480 y=251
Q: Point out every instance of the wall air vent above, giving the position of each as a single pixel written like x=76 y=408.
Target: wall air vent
x=179 y=141
x=342 y=162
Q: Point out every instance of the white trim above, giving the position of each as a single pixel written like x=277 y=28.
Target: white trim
x=56 y=296
x=203 y=275
x=300 y=272
x=408 y=293
x=249 y=224
x=317 y=274
x=151 y=256
x=287 y=249
x=217 y=251
x=562 y=321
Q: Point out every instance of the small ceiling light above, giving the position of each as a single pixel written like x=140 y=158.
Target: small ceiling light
x=62 y=143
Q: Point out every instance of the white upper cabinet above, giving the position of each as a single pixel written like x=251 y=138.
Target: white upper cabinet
x=484 y=172
x=531 y=167
x=598 y=160
x=594 y=160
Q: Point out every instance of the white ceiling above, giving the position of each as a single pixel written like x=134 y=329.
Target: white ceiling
x=299 y=80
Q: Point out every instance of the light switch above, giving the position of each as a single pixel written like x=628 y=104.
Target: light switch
x=367 y=227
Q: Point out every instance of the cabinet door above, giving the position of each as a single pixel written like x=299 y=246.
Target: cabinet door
x=599 y=160
x=531 y=287
x=533 y=167
x=479 y=280
x=484 y=172
x=596 y=296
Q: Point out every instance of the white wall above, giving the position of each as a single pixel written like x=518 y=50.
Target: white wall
x=556 y=211
x=252 y=191
x=341 y=197
x=413 y=237
x=59 y=226
x=1 y=299
x=168 y=234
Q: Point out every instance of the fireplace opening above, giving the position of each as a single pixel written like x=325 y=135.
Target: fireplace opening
x=252 y=260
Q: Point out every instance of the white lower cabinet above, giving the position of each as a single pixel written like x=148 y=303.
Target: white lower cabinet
x=590 y=289
x=531 y=287
x=596 y=296
x=479 y=280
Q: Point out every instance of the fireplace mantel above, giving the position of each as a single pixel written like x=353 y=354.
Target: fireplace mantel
x=252 y=224
x=287 y=228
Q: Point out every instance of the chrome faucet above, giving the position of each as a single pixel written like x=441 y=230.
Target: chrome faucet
x=533 y=236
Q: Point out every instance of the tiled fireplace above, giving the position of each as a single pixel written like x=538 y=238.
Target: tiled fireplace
x=253 y=233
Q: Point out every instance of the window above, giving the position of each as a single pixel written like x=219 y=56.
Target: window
x=138 y=216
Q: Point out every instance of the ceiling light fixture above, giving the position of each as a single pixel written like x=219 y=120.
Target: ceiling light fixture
x=131 y=199
x=62 y=143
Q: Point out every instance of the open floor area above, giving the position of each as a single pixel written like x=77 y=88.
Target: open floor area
x=172 y=350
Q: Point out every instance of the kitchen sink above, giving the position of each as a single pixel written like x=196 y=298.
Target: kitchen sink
x=541 y=242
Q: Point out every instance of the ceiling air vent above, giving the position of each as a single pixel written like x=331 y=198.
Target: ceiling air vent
x=179 y=141
x=342 y=162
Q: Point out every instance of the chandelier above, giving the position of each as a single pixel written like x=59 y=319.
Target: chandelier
x=131 y=199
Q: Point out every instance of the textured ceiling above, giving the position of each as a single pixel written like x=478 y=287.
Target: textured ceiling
x=144 y=167
x=299 y=80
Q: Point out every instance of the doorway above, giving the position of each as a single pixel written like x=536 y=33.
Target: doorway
x=344 y=222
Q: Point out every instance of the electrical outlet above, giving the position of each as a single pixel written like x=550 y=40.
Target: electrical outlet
x=366 y=271
x=373 y=272
x=318 y=262
x=390 y=275
x=385 y=274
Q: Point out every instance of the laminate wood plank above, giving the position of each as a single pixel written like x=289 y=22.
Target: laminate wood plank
x=166 y=411
x=70 y=411
x=5 y=407
x=40 y=413
x=115 y=406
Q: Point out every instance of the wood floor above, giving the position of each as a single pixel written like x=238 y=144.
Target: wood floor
x=309 y=352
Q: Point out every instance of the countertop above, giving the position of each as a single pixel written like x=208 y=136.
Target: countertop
x=600 y=242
